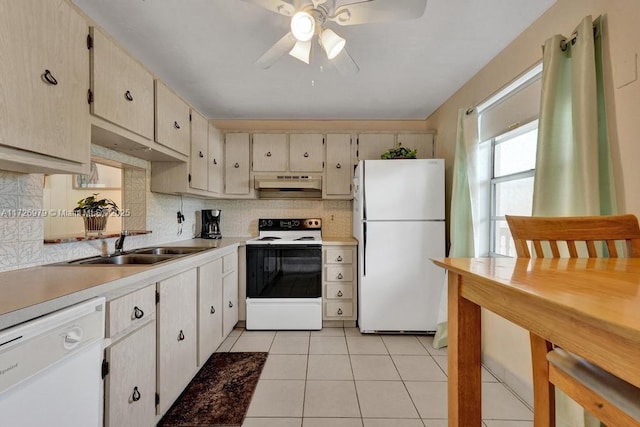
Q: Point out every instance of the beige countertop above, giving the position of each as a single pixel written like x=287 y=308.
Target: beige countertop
x=32 y=292
x=337 y=240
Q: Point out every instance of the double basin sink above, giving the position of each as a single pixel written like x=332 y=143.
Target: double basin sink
x=144 y=256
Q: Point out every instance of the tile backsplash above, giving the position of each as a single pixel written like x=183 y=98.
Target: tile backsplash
x=22 y=233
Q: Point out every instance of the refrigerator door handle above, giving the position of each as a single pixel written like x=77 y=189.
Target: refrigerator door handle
x=364 y=248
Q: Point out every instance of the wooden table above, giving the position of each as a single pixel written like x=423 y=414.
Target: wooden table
x=590 y=307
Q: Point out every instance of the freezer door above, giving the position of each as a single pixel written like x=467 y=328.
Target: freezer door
x=399 y=287
x=404 y=189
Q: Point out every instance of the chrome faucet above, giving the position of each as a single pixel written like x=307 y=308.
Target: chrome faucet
x=120 y=242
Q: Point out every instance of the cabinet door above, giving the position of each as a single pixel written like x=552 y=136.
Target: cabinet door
x=215 y=164
x=122 y=87
x=269 y=152
x=339 y=170
x=172 y=119
x=372 y=145
x=230 y=302
x=130 y=386
x=176 y=335
x=199 y=151
x=209 y=309
x=306 y=152
x=44 y=112
x=236 y=163
x=423 y=142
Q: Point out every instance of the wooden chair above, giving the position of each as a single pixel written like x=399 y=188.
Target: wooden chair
x=613 y=401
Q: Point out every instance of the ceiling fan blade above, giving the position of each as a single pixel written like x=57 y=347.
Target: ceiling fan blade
x=282 y=46
x=278 y=6
x=345 y=63
x=366 y=12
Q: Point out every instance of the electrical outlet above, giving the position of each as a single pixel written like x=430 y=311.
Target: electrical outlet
x=180 y=217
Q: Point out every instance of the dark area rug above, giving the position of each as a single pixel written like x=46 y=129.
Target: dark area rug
x=220 y=393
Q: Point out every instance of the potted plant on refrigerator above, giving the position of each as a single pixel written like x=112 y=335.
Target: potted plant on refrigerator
x=95 y=212
x=399 y=152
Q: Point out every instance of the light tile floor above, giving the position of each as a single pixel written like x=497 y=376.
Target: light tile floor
x=338 y=377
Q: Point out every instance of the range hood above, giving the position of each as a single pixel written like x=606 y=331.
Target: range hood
x=288 y=186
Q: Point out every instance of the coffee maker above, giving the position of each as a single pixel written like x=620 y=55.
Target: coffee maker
x=211 y=224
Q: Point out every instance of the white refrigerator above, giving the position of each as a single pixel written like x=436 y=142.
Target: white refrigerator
x=398 y=220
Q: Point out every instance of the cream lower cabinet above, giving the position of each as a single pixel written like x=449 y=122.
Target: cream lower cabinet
x=229 y=292
x=210 y=311
x=44 y=78
x=340 y=282
x=130 y=380
x=177 y=337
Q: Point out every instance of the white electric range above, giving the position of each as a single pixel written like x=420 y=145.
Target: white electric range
x=284 y=275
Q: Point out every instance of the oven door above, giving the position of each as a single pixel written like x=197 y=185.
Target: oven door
x=284 y=271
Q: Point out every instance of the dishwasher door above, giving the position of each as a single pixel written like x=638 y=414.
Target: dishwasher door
x=50 y=369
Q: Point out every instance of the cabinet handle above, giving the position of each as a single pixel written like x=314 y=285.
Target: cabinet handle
x=306 y=154
x=181 y=336
x=339 y=259
x=213 y=310
x=200 y=154
x=340 y=293
x=176 y=125
x=236 y=165
x=268 y=153
x=338 y=166
x=136 y=394
x=215 y=162
x=128 y=96
x=340 y=276
x=48 y=77
x=230 y=304
x=137 y=313
x=339 y=312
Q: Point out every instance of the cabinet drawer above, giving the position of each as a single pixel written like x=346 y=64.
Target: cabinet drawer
x=338 y=256
x=229 y=263
x=339 y=273
x=124 y=312
x=339 y=309
x=339 y=291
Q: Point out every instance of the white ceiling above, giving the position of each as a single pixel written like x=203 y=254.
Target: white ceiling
x=205 y=50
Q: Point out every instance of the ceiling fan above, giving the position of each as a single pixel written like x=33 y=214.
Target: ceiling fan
x=310 y=18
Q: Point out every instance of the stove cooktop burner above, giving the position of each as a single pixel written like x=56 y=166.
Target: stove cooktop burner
x=269 y=238
x=305 y=238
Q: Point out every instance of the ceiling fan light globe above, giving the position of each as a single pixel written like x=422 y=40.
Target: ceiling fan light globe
x=332 y=43
x=303 y=26
x=301 y=51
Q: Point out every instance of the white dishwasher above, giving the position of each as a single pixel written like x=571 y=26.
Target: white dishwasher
x=50 y=369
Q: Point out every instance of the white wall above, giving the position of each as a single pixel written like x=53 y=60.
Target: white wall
x=504 y=345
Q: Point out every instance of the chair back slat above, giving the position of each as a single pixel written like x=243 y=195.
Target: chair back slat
x=594 y=231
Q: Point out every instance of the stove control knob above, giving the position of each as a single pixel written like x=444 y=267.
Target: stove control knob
x=296 y=223
x=269 y=223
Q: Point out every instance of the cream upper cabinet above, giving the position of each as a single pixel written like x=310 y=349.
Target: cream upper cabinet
x=236 y=163
x=339 y=166
x=198 y=164
x=172 y=119
x=372 y=145
x=422 y=142
x=177 y=337
x=216 y=162
x=306 y=152
x=122 y=88
x=270 y=152
x=43 y=87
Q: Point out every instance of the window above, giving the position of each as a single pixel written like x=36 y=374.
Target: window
x=508 y=131
x=513 y=166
